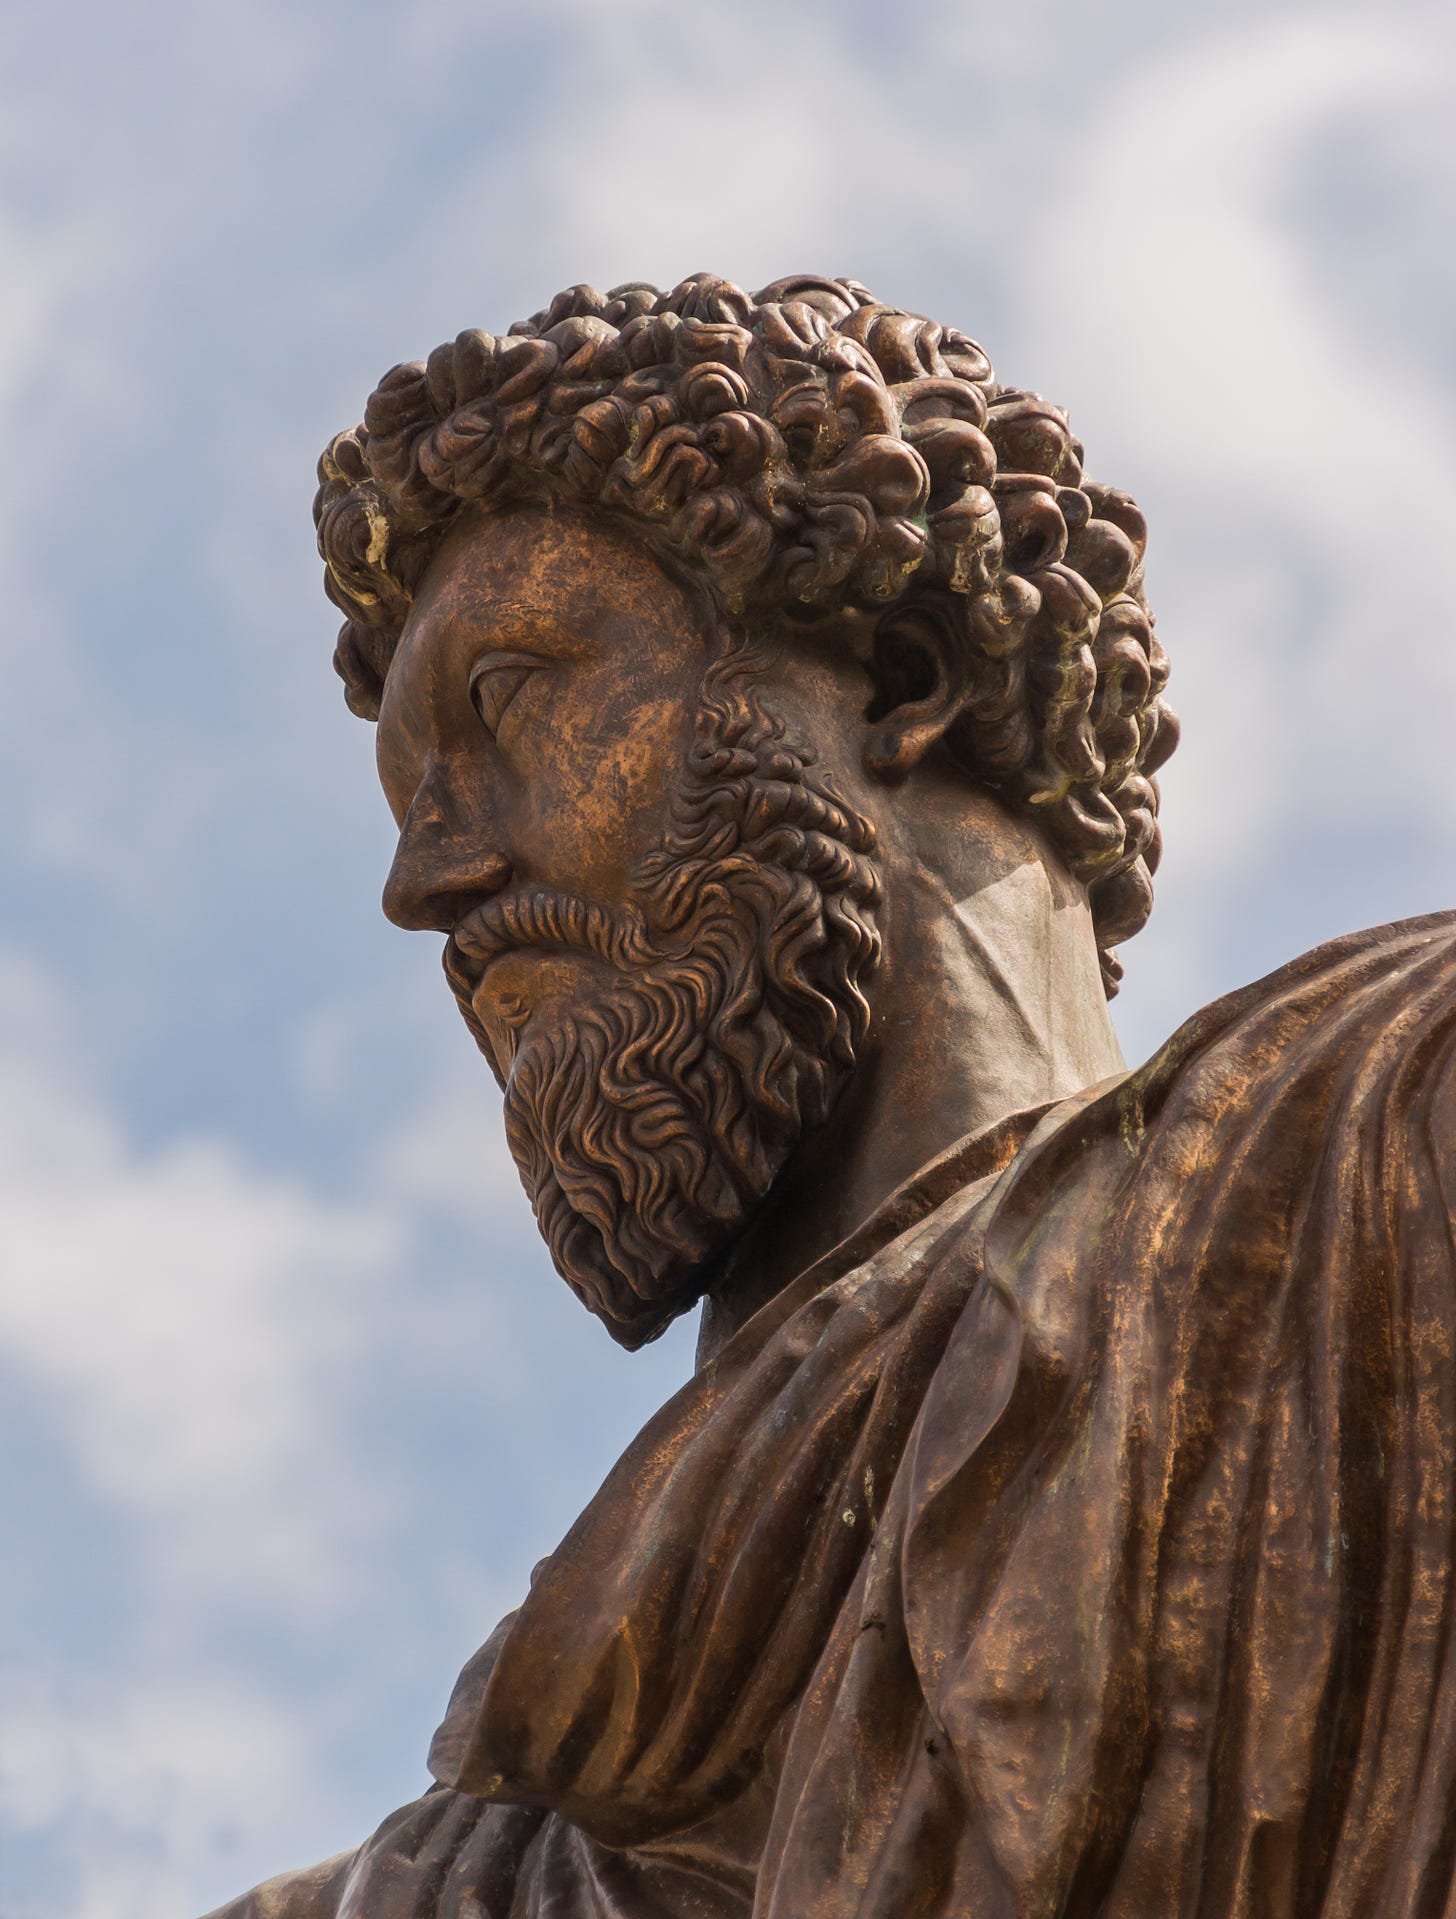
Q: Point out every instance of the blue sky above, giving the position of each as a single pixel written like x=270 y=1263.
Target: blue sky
x=293 y=1400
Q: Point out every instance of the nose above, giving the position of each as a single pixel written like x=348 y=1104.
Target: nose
x=441 y=869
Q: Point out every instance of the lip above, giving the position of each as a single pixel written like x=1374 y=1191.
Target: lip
x=495 y=1019
x=503 y=1001
x=467 y=971
x=463 y=970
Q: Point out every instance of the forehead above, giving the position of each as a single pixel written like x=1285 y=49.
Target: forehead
x=550 y=581
x=551 y=584
x=579 y=573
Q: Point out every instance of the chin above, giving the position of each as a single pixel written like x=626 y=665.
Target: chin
x=650 y=1322
x=622 y=1268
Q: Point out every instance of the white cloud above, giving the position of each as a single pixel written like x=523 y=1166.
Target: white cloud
x=193 y=1325
x=670 y=143
x=168 y=1789
x=1307 y=478
x=26 y=301
x=187 y=1314
x=450 y=1153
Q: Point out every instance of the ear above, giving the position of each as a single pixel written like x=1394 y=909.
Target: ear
x=919 y=669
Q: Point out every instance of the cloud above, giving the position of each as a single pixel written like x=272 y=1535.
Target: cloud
x=211 y=1344
x=185 y=1313
x=1307 y=479
x=168 y=1789
x=181 y=1320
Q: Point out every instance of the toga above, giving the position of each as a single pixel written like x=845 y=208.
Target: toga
x=1077 y=1538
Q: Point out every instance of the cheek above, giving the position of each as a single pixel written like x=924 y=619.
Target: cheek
x=823 y=703
x=599 y=784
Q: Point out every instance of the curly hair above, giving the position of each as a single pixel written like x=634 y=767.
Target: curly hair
x=803 y=449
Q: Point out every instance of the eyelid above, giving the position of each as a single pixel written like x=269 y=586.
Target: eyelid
x=495 y=680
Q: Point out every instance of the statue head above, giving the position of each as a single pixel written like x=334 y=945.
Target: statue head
x=674 y=608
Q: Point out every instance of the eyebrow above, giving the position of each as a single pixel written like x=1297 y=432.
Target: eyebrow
x=502 y=621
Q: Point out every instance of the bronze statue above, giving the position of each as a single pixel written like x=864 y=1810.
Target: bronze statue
x=1060 y=1520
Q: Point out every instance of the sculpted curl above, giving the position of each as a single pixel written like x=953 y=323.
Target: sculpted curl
x=804 y=449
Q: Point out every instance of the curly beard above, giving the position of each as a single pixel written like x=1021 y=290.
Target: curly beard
x=648 y=1116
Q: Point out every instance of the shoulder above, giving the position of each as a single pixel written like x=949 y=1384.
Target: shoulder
x=313 y=1893
x=1323 y=1092
x=1350 y=1034
x=1364 y=987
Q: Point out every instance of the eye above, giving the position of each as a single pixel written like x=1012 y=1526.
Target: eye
x=495 y=681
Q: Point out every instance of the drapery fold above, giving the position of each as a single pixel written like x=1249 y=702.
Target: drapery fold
x=1079 y=1539
x=1181 y=1612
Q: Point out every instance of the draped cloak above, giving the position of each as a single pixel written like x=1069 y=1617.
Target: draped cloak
x=1079 y=1538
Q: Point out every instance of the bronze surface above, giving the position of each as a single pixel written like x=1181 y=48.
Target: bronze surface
x=1060 y=1520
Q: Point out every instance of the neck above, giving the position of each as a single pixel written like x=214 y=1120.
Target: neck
x=989 y=1002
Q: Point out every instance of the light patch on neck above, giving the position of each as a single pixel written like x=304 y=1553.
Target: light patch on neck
x=1038 y=956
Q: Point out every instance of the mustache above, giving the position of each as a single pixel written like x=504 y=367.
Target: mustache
x=546 y=918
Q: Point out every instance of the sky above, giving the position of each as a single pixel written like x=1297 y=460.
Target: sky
x=292 y=1400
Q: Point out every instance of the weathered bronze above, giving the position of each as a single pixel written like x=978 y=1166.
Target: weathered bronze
x=1060 y=1520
